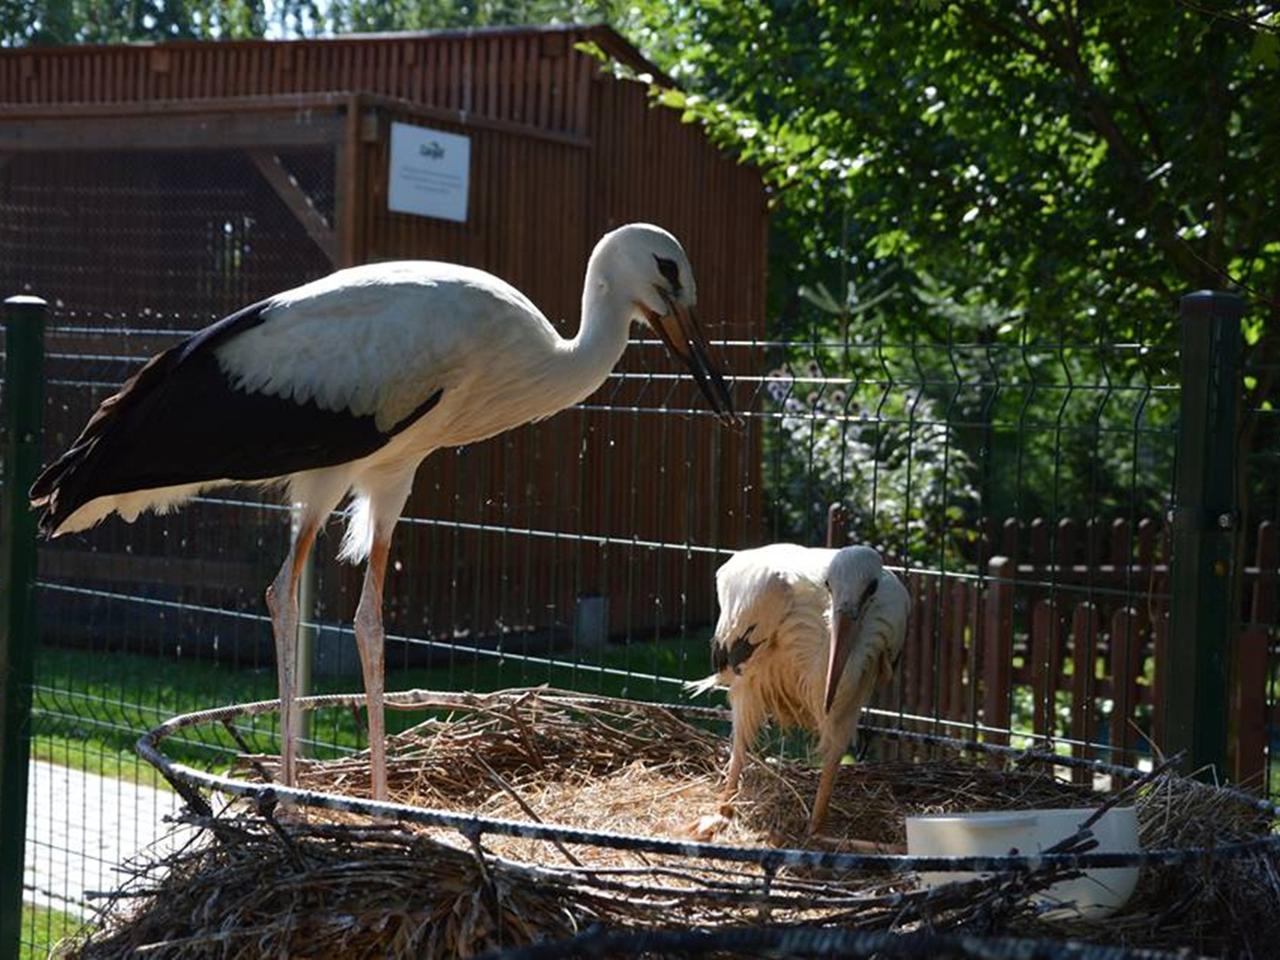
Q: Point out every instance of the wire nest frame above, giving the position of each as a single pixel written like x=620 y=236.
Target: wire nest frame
x=518 y=880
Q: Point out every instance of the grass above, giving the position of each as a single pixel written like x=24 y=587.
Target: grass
x=42 y=928
x=91 y=707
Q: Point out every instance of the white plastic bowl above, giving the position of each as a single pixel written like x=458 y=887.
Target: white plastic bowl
x=1097 y=893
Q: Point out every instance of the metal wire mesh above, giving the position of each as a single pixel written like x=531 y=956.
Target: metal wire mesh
x=1018 y=481
x=766 y=941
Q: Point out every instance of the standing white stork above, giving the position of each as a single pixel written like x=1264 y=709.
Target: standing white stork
x=804 y=635
x=345 y=385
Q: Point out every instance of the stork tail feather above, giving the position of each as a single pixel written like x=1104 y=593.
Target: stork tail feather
x=358 y=540
x=697 y=688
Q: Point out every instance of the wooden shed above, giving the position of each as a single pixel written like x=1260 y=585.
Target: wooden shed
x=152 y=188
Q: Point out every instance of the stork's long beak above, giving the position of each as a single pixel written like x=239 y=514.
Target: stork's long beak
x=681 y=332
x=844 y=633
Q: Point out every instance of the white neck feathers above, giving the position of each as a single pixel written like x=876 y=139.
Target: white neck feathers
x=584 y=362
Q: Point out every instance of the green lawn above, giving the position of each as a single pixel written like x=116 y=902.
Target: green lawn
x=42 y=929
x=90 y=707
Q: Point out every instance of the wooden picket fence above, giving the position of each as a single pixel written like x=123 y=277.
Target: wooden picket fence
x=1000 y=652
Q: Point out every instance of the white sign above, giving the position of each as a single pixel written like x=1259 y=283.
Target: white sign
x=429 y=172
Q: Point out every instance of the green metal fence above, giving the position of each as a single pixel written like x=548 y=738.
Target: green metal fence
x=1053 y=500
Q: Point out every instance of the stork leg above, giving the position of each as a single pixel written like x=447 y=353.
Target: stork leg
x=282 y=602
x=832 y=746
x=746 y=724
x=737 y=759
x=826 y=784
x=748 y=717
x=370 y=638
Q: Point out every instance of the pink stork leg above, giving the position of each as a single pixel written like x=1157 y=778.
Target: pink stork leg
x=839 y=730
x=826 y=784
x=282 y=602
x=747 y=720
x=370 y=638
x=746 y=724
x=737 y=758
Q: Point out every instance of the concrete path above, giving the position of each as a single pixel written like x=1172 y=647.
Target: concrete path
x=81 y=827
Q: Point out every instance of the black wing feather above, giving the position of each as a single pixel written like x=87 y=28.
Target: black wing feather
x=179 y=421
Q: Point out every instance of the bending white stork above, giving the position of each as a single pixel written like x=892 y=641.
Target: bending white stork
x=344 y=386
x=804 y=635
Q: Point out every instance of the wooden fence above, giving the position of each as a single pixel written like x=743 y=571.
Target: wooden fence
x=1001 y=650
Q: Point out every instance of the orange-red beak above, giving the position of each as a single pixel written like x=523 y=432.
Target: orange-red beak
x=844 y=634
x=681 y=332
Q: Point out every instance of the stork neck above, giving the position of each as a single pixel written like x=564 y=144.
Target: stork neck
x=601 y=337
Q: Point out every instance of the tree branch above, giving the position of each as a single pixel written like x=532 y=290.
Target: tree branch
x=1131 y=81
x=994 y=26
x=1067 y=61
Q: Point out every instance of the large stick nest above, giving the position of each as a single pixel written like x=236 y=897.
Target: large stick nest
x=303 y=882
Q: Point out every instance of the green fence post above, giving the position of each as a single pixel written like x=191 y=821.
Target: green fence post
x=1205 y=525
x=23 y=412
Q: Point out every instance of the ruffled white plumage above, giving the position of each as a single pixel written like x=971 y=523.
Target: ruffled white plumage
x=377 y=340
x=774 y=645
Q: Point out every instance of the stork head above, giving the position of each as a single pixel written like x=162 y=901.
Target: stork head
x=649 y=268
x=852 y=579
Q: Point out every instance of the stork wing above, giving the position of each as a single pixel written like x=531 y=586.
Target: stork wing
x=887 y=618
x=321 y=375
x=378 y=340
x=757 y=589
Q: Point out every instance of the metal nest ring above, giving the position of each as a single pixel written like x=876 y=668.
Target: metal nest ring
x=188 y=781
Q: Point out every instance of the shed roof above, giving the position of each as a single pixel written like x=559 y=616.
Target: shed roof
x=530 y=75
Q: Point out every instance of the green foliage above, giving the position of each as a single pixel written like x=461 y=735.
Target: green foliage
x=1051 y=158
x=116 y=21
x=363 y=15
x=867 y=422
x=1043 y=178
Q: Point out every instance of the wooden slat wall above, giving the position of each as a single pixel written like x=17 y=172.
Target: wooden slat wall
x=532 y=76
x=628 y=470
x=570 y=155
x=120 y=233
x=1076 y=626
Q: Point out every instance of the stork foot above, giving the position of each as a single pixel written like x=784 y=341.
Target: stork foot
x=705 y=829
x=852 y=845
x=290 y=814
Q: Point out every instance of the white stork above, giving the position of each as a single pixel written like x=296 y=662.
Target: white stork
x=343 y=386
x=804 y=636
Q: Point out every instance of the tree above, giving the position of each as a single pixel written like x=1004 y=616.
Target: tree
x=951 y=135
x=1005 y=173
x=47 y=22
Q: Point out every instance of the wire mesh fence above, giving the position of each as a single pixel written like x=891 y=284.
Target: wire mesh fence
x=500 y=581
x=1020 y=479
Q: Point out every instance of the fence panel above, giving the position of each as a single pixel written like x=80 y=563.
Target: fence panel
x=1019 y=486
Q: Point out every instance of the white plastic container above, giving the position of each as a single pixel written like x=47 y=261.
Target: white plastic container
x=1097 y=893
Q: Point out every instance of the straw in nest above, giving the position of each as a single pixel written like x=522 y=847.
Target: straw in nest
x=324 y=883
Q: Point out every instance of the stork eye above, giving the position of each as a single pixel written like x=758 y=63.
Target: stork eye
x=670 y=272
x=868 y=593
